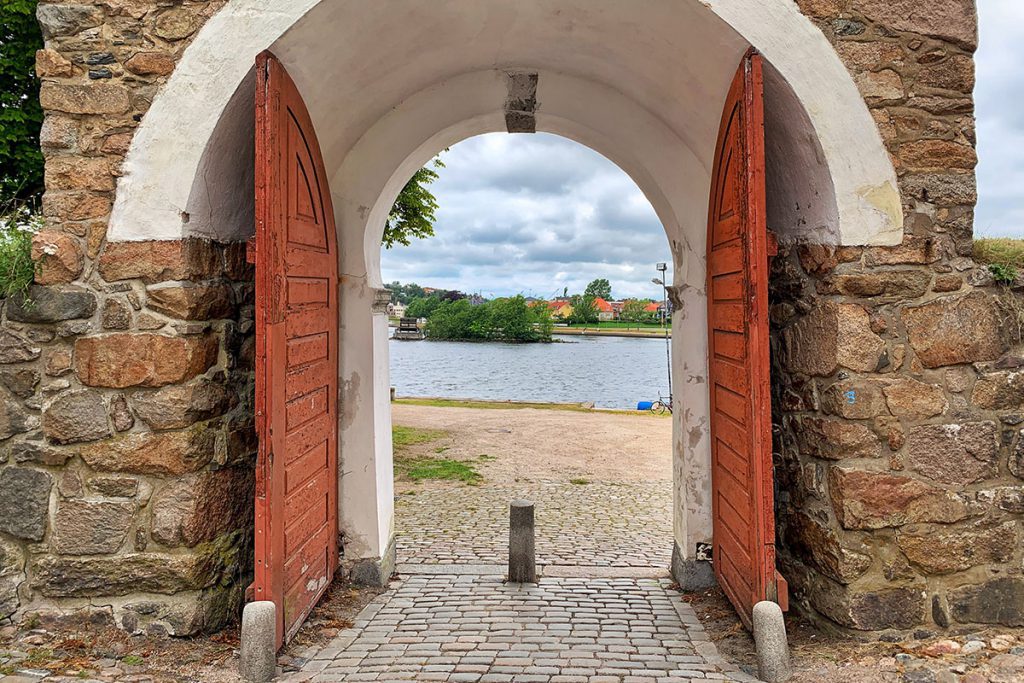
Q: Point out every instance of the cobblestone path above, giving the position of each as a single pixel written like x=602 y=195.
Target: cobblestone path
x=597 y=524
x=563 y=630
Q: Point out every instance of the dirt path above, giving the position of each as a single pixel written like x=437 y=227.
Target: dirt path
x=537 y=444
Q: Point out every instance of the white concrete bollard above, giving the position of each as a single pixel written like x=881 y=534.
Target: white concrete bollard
x=257 y=658
x=771 y=644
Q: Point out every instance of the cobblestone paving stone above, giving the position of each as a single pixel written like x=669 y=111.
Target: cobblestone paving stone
x=598 y=524
x=565 y=630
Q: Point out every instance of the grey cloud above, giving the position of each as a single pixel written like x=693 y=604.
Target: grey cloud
x=533 y=214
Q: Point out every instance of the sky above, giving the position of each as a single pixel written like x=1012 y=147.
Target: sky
x=999 y=96
x=534 y=214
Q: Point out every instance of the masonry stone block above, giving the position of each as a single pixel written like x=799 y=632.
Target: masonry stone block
x=85 y=527
x=68 y=577
x=157 y=261
x=838 y=439
x=952 y=20
x=999 y=601
x=200 y=507
x=943 y=550
x=192 y=301
x=15 y=348
x=142 y=360
x=171 y=453
x=51 y=305
x=954 y=453
x=76 y=416
x=832 y=336
x=58 y=258
x=820 y=546
x=955 y=330
x=874 y=500
x=177 y=406
x=25 y=500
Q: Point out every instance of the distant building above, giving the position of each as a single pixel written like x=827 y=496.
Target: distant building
x=605 y=311
x=560 y=309
x=396 y=310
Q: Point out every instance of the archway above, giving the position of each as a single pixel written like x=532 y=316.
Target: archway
x=389 y=84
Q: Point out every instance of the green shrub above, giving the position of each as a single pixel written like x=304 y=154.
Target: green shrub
x=1003 y=273
x=16 y=268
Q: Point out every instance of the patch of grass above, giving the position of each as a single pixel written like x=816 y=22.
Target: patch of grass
x=485 y=458
x=403 y=437
x=441 y=469
x=132 y=660
x=511 y=405
x=619 y=325
x=493 y=405
x=1000 y=251
x=579 y=481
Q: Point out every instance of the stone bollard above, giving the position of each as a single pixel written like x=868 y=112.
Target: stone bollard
x=522 y=565
x=770 y=643
x=257 y=658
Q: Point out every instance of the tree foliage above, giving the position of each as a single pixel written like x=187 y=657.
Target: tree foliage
x=403 y=294
x=584 y=310
x=599 y=288
x=21 y=161
x=422 y=307
x=510 y=319
x=633 y=311
x=413 y=214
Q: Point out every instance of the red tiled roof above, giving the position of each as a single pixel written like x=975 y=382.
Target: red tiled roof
x=602 y=305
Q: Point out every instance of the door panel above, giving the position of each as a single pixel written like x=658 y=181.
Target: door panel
x=297 y=356
x=744 y=520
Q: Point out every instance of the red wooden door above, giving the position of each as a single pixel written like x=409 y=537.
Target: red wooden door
x=297 y=355
x=744 y=519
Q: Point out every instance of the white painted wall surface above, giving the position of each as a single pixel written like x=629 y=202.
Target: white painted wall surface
x=391 y=82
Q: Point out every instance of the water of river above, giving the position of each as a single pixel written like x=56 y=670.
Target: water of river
x=612 y=372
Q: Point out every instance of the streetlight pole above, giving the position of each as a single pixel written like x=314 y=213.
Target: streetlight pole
x=662 y=269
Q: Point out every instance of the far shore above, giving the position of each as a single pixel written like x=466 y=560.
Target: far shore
x=644 y=332
x=609 y=332
x=485 y=404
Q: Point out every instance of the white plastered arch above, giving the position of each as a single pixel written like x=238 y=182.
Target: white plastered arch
x=153 y=196
x=377 y=167
x=389 y=83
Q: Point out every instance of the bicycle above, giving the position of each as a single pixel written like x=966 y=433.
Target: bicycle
x=663 y=406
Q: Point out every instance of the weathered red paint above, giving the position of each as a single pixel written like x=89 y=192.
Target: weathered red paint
x=738 y=252
x=296 y=355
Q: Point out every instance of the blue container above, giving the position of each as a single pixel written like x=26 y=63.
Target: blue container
x=644 y=405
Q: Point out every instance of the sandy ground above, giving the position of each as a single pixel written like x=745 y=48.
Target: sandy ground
x=537 y=444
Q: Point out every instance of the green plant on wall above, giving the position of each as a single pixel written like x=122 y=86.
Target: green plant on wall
x=17 y=226
x=1003 y=273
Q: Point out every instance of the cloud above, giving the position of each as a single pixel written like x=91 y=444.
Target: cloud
x=1000 y=116
x=533 y=215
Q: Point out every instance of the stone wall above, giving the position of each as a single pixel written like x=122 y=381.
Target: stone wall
x=126 y=440
x=127 y=446
x=897 y=400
